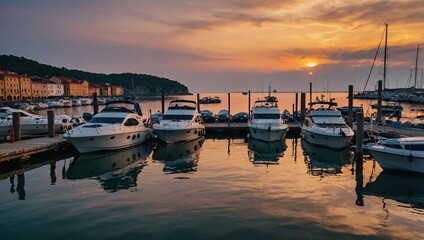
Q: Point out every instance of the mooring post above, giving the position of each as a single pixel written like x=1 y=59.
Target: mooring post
x=296 y=105
x=350 y=114
x=359 y=137
x=310 y=93
x=248 y=106
x=379 y=101
x=229 y=109
x=95 y=104
x=50 y=122
x=163 y=101
x=16 y=121
x=198 y=102
x=294 y=114
x=302 y=105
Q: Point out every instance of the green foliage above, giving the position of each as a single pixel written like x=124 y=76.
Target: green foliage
x=143 y=83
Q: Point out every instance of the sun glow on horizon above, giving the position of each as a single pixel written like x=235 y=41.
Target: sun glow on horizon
x=311 y=64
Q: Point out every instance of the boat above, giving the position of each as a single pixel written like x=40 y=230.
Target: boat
x=182 y=157
x=206 y=100
x=399 y=154
x=419 y=121
x=323 y=125
x=265 y=122
x=76 y=103
x=269 y=153
x=180 y=122
x=86 y=101
x=120 y=124
x=31 y=124
x=388 y=108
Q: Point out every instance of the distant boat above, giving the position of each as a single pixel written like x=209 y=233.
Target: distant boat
x=244 y=93
x=207 y=100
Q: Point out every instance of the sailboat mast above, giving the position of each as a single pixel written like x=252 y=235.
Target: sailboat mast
x=385 y=58
x=416 y=66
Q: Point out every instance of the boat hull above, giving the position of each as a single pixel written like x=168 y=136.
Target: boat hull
x=268 y=135
x=179 y=135
x=326 y=140
x=113 y=141
x=397 y=162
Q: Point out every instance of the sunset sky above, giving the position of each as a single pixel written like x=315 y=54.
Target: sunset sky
x=221 y=45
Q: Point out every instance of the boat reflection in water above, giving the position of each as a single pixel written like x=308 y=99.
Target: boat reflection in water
x=401 y=187
x=180 y=157
x=324 y=161
x=115 y=170
x=261 y=152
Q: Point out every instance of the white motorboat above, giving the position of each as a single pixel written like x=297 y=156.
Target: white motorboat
x=266 y=122
x=31 y=124
x=76 y=103
x=324 y=126
x=119 y=125
x=86 y=101
x=181 y=122
x=401 y=154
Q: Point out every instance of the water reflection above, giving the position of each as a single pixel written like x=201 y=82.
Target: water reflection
x=115 y=170
x=403 y=188
x=323 y=161
x=179 y=158
x=260 y=152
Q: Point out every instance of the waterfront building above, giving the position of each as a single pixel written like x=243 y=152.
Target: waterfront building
x=25 y=87
x=93 y=88
x=105 y=90
x=117 y=90
x=39 y=89
x=11 y=86
x=71 y=86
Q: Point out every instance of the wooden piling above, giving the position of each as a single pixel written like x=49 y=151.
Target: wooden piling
x=310 y=93
x=359 y=137
x=379 y=101
x=163 y=101
x=198 y=102
x=229 y=109
x=302 y=105
x=95 y=104
x=16 y=121
x=296 y=103
x=248 y=106
x=350 y=114
x=50 y=122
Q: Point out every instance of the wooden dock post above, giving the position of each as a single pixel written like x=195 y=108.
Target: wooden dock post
x=350 y=114
x=248 y=106
x=16 y=121
x=302 y=105
x=296 y=106
x=95 y=104
x=50 y=122
x=359 y=137
x=310 y=93
x=163 y=101
x=379 y=101
x=229 y=109
x=198 y=102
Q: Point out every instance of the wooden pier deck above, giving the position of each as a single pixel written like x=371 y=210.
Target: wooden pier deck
x=403 y=131
x=22 y=150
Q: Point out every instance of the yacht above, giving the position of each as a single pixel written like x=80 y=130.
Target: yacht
x=31 y=124
x=265 y=122
x=76 y=103
x=324 y=125
x=180 y=122
x=86 y=101
x=400 y=154
x=119 y=125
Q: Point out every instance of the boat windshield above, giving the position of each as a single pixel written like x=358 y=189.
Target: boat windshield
x=414 y=147
x=325 y=121
x=266 y=116
x=177 y=117
x=106 y=120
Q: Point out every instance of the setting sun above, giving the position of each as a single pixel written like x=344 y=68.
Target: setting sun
x=311 y=64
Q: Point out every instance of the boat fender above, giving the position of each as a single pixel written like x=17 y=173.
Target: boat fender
x=410 y=158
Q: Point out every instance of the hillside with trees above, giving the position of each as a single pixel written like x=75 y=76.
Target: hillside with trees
x=142 y=84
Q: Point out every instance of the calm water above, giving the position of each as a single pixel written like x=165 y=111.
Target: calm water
x=216 y=188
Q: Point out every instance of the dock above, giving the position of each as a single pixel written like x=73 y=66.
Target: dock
x=22 y=150
x=236 y=127
x=403 y=131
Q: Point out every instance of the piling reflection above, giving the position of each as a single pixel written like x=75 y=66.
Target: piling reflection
x=115 y=170
x=324 y=161
x=179 y=158
x=260 y=152
x=403 y=188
